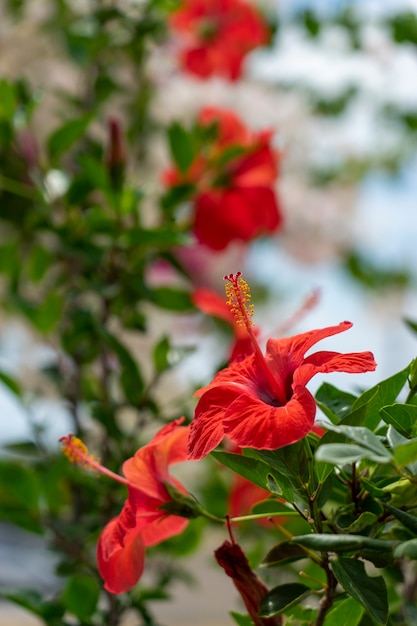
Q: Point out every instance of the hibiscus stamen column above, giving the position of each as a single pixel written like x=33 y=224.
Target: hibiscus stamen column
x=77 y=452
x=238 y=298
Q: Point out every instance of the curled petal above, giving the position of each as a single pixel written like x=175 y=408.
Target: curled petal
x=288 y=353
x=120 y=564
x=327 y=362
x=148 y=469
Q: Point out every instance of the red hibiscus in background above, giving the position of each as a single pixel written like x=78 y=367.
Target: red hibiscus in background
x=262 y=401
x=141 y=522
x=234 y=179
x=216 y=35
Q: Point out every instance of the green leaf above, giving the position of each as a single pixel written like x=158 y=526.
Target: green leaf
x=341 y=543
x=181 y=146
x=282 y=597
x=362 y=436
x=290 y=468
x=40 y=261
x=11 y=384
x=49 y=312
x=33 y=601
x=403 y=417
x=253 y=470
x=161 y=355
x=408 y=549
x=43 y=315
x=365 y=409
x=409 y=521
x=131 y=379
x=334 y=403
x=370 y=592
x=155 y=238
x=7 y=100
x=18 y=486
x=346 y=453
x=81 y=595
x=364 y=520
x=64 y=137
x=406 y=453
x=172 y=299
x=347 y=612
x=284 y=552
x=241 y=620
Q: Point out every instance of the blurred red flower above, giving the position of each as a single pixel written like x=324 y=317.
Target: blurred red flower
x=216 y=35
x=233 y=179
x=261 y=401
x=141 y=522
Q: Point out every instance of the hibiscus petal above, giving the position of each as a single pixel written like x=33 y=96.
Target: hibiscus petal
x=206 y=430
x=239 y=374
x=148 y=469
x=163 y=528
x=288 y=353
x=251 y=423
x=327 y=362
x=120 y=565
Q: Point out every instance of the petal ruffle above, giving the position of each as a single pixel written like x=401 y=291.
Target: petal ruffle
x=206 y=430
x=251 y=423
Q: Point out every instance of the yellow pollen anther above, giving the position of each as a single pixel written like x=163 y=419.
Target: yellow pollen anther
x=77 y=452
x=238 y=298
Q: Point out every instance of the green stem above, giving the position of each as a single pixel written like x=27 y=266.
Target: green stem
x=247 y=518
x=411 y=394
x=255 y=516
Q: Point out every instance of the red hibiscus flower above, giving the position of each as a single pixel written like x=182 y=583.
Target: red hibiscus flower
x=216 y=35
x=261 y=401
x=233 y=179
x=142 y=522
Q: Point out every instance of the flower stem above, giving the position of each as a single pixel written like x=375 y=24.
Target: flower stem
x=255 y=516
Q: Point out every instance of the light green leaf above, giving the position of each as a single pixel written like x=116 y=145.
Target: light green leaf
x=347 y=612
x=365 y=410
x=241 y=620
x=406 y=453
x=408 y=549
x=345 y=454
x=364 y=437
